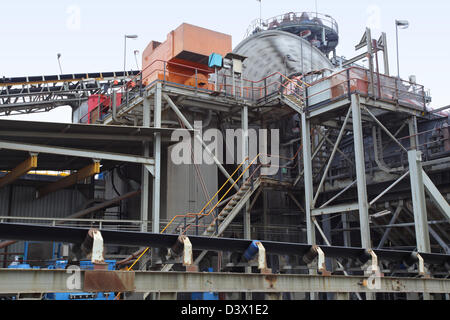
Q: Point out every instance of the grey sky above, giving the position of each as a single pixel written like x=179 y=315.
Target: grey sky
x=33 y=32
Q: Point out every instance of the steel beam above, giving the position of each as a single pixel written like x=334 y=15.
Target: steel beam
x=342 y=208
x=200 y=139
x=335 y=148
x=435 y=195
x=388 y=189
x=137 y=239
x=439 y=240
x=81 y=153
x=71 y=180
x=20 y=170
x=388 y=230
x=386 y=130
x=51 y=281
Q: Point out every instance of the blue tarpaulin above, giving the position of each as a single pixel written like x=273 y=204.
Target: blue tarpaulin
x=215 y=60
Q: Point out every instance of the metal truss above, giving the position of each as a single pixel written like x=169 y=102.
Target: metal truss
x=25 y=95
x=360 y=110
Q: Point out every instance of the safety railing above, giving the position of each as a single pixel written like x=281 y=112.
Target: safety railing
x=293 y=18
x=275 y=83
x=328 y=88
x=98 y=112
x=253 y=168
x=102 y=224
x=197 y=79
x=362 y=81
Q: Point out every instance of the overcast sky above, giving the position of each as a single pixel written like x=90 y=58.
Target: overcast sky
x=89 y=33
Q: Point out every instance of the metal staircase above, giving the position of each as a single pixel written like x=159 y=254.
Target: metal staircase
x=231 y=210
x=218 y=226
x=293 y=102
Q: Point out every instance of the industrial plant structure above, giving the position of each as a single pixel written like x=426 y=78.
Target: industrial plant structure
x=338 y=186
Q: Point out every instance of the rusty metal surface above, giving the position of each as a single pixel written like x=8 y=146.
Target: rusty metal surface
x=39 y=281
x=103 y=281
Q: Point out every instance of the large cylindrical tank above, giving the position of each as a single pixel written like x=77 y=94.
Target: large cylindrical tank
x=273 y=51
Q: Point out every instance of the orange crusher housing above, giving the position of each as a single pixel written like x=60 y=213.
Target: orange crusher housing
x=186 y=52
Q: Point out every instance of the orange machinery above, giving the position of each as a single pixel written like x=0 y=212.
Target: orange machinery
x=186 y=52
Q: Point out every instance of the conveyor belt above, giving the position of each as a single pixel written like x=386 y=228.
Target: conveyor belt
x=25 y=95
x=137 y=239
x=64 y=78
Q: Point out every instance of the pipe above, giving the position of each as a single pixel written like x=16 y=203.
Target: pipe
x=378 y=153
x=114 y=109
x=6 y=244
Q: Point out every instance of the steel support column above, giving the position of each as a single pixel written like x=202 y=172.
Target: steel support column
x=414 y=138
x=245 y=151
x=308 y=178
x=156 y=198
x=145 y=189
x=246 y=211
x=361 y=173
x=419 y=202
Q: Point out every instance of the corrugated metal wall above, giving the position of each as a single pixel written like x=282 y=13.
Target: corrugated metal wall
x=58 y=204
x=23 y=204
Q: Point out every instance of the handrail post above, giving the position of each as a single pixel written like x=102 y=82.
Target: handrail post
x=98 y=107
x=217 y=225
x=141 y=93
x=349 y=85
x=196 y=78
x=164 y=67
x=396 y=90
x=424 y=99
x=253 y=92
x=282 y=86
x=196 y=225
x=265 y=89
x=225 y=84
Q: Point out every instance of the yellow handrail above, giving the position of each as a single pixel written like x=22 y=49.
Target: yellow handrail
x=223 y=186
x=293 y=82
x=209 y=202
x=242 y=174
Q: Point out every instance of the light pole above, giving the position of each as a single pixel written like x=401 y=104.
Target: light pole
x=403 y=24
x=125 y=52
x=59 y=62
x=260 y=14
x=136 y=53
